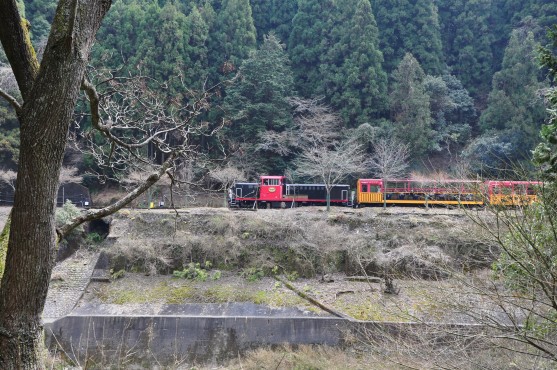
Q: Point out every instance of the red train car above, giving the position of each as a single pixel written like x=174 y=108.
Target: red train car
x=275 y=192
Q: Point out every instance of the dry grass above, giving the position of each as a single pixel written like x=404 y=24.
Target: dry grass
x=306 y=240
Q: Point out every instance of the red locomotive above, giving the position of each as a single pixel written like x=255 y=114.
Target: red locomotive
x=276 y=192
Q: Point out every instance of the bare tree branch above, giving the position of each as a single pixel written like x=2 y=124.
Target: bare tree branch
x=390 y=159
x=331 y=164
x=8 y=87
x=140 y=189
x=10 y=99
x=8 y=177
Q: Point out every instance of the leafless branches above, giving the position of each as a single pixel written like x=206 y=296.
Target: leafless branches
x=226 y=175
x=135 y=128
x=315 y=123
x=390 y=158
x=282 y=143
x=69 y=175
x=8 y=86
x=331 y=164
x=138 y=136
x=8 y=177
x=518 y=302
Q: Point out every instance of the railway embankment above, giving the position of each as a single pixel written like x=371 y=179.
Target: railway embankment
x=204 y=284
x=406 y=242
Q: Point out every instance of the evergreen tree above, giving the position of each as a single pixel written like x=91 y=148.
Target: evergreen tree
x=506 y=15
x=351 y=70
x=39 y=14
x=257 y=102
x=544 y=12
x=127 y=29
x=306 y=44
x=514 y=105
x=196 y=61
x=262 y=10
x=410 y=106
x=273 y=16
x=452 y=111
x=232 y=37
x=160 y=42
x=410 y=27
x=165 y=52
x=467 y=42
x=282 y=14
x=545 y=154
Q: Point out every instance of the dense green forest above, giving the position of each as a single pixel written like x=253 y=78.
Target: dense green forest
x=456 y=80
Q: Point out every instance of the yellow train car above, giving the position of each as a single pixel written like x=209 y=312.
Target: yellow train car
x=419 y=192
x=446 y=192
x=512 y=193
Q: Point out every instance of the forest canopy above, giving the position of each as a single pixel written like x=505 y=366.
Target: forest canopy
x=454 y=80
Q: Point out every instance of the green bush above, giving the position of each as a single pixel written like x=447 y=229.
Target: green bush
x=118 y=274
x=93 y=238
x=194 y=271
x=253 y=274
x=65 y=214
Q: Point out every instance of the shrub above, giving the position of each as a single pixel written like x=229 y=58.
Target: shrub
x=194 y=271
x=65 y=214
x=253 y=274
x=93 y=238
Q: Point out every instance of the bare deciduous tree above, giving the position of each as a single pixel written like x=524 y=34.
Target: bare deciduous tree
x=8 y=84
x=525 y=289
x=389 y=161
x=315 y=123
x=226 y=176
x=8 y=177
x=331 y=164
x=128 y=120
x=69 y=175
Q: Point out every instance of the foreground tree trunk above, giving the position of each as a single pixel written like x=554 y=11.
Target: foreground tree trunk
x=49 y=93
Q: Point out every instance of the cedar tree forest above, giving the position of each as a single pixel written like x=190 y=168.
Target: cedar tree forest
x=457 y=81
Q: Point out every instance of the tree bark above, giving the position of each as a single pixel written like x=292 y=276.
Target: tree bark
x=49 y=102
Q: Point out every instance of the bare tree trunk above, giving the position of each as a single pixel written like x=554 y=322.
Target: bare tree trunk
x=50 y=99
x=384 y=193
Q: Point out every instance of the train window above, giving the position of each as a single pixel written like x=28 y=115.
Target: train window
x=374 y=189
x=273 y=182
x=364 y=188
x=520 y=189
x=503 y=190
x=400 y=186
x=530 y=190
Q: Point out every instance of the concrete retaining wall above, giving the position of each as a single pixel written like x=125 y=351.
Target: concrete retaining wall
x=151 y=340
x=166 y=340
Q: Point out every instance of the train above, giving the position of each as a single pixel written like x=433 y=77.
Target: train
x=276 y=192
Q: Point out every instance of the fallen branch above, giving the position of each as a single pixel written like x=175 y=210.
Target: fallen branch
x=313 y=301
